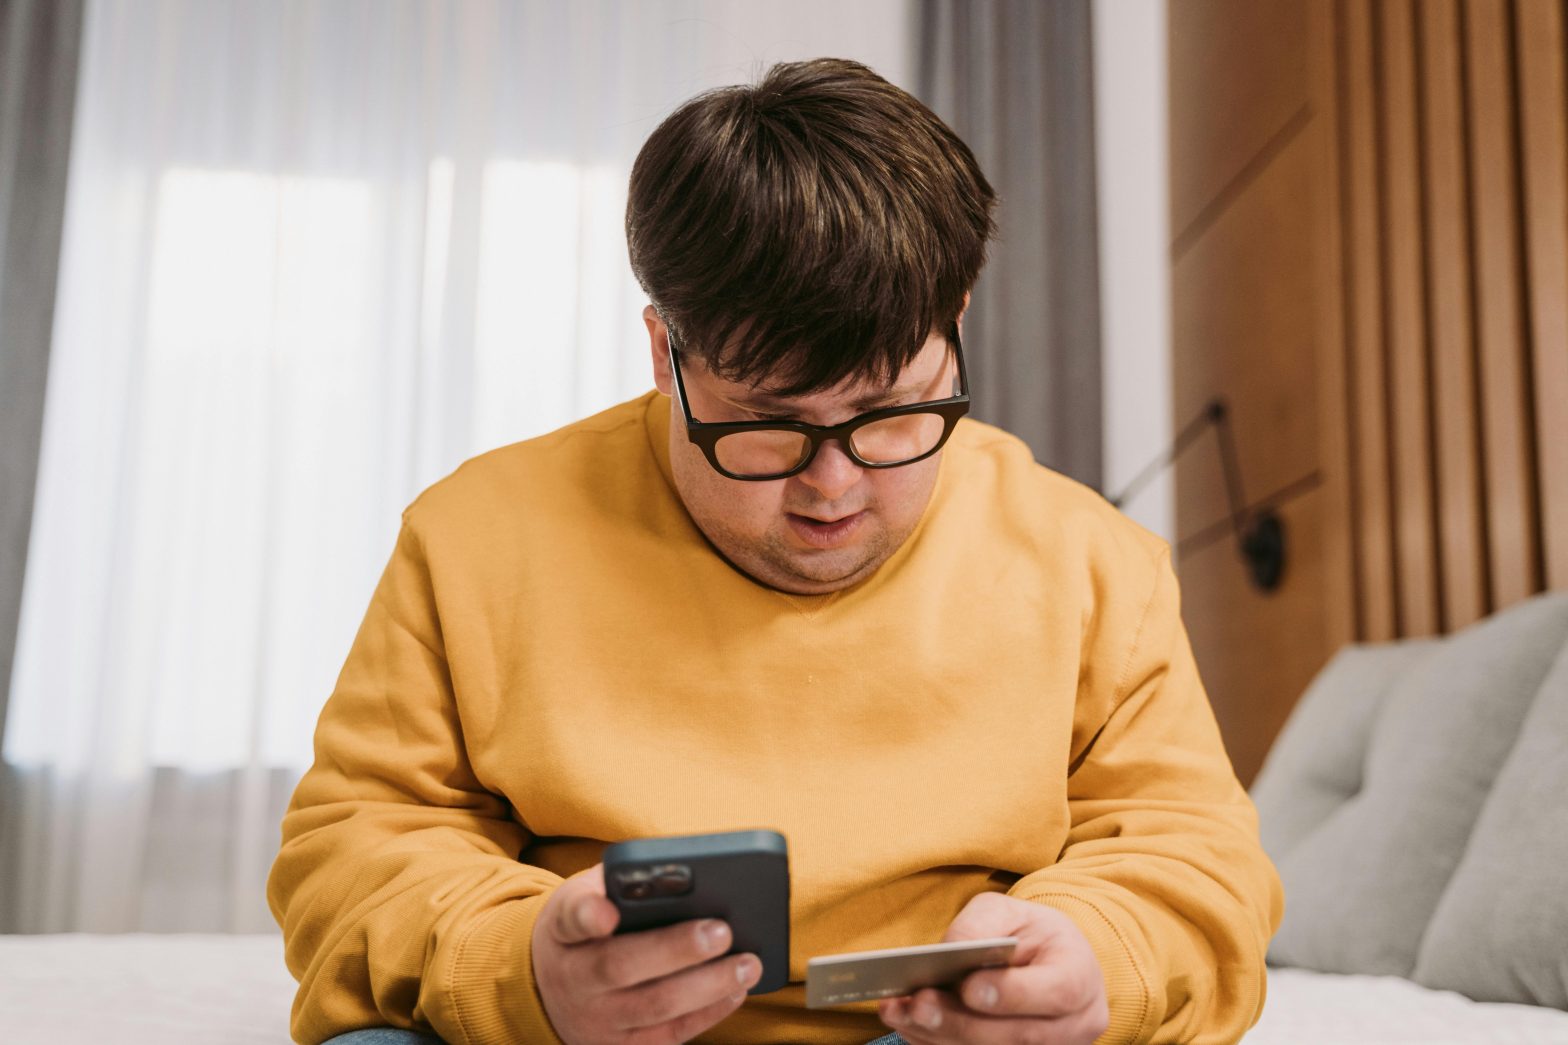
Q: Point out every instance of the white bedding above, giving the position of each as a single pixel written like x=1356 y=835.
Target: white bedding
x=172 y=990
x=144 y=990
x=1304 y=1007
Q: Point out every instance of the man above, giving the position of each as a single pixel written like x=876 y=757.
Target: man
x=791 y=590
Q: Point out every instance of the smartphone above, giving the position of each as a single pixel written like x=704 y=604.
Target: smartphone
x=739 y=876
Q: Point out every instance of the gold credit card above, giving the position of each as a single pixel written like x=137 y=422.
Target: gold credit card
x=842 y=978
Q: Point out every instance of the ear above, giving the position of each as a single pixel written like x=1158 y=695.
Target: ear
x=961 y=311
x=659 y=345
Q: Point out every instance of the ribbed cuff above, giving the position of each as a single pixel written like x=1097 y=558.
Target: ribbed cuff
x=492 y=995
x=1126 y=988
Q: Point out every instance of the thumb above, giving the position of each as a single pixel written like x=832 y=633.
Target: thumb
x=990 y=915
x=583 y=912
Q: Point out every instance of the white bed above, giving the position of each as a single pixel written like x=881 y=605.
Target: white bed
x=213 y=990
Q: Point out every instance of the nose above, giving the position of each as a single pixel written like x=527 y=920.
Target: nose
x=831 y=473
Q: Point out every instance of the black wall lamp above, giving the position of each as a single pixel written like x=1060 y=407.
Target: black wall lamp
x=1258 y=529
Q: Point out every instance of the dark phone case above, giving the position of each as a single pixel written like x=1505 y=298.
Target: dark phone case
x=741 y=877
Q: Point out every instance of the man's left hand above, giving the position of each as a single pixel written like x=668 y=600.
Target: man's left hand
x=1052 y=994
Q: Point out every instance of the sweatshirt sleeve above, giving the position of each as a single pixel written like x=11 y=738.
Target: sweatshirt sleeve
x=1162 y=869
x=397 y=885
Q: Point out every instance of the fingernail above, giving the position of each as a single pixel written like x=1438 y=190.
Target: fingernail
x=745 y=969
x=987 y=997
x=714 y=935
x=928 y=1016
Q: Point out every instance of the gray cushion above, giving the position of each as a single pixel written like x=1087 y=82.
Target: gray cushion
x=1363 y=879
x=1318 y=761
x=1500 y=932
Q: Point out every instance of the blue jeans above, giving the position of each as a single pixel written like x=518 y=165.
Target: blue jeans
x=389 y=1036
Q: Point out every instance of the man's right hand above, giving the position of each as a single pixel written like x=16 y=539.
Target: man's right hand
x=655 y=987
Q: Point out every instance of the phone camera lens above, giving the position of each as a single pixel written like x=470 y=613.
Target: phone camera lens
x=672 y=880
x=647 y=882
x=634 y=885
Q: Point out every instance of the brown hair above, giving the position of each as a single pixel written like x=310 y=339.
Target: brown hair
x=815 y=227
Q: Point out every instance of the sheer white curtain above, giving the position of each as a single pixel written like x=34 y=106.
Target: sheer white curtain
x=315 y=255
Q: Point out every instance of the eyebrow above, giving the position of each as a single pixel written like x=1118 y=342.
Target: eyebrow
x=763 y=402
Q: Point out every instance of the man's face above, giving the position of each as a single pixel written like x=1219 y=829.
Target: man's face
x=832 y=524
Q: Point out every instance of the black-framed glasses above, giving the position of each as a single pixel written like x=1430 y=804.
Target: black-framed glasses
x=754 y=451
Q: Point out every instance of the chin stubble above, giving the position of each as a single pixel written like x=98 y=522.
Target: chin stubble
x=873 y=551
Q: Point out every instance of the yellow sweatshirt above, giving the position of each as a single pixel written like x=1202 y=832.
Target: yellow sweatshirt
x=555 y=658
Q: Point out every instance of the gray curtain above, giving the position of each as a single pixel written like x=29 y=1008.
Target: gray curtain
x=1014 y=79
x=39 y=43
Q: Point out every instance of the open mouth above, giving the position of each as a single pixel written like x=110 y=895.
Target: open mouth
x=825 y=533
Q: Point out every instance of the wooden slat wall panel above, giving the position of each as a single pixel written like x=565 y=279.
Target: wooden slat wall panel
x=1541 y=46
x=1247 y=276
x=1265 y=83
x=1375 y=272
x=1261 y=252
x=1455 y=305
x=1507 y=407
x=1405 y=323
x=1335 y=523
x=1462 y=540
x=1373 y=543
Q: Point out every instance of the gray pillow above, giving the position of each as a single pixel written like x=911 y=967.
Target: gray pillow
x=1500 y=932
x=1361 y=886
x=1319 y=758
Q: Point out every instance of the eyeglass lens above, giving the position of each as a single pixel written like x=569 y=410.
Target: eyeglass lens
x=892 y=440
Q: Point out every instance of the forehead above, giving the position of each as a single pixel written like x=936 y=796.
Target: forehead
x=864 y=391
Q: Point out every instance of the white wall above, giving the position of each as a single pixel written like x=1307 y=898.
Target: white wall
x=1131 y=154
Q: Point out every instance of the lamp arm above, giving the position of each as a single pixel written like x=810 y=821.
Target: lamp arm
x=1229 y=461
x=1259 y=532
x=1212 y=414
